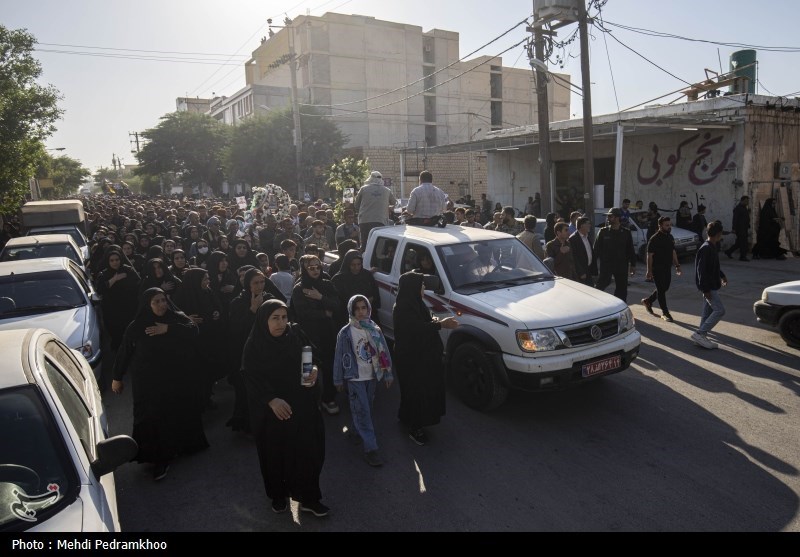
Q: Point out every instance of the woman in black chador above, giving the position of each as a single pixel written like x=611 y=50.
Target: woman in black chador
x=118 y=283
x=353 y=279
x=200 y=304
x=768 y=244
x=166 y=406
x=284 y=415
x=316 y=306
x=242 y=316
x=418 y=351
x=158 y=275
x=223 y=279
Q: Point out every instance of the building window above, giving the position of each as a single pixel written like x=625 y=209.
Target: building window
x=430 y=80
x=430 y=136
x=496 y=85
x=497 y=114
x=430 y=109
x=428 y=51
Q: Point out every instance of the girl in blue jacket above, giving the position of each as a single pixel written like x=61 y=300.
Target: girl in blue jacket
x=362 y=360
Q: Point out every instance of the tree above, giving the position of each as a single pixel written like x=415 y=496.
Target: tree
x=67 y=174
x=104 y=173
x=347 y=173
x=28 y=112
x=189 y=144
x=262 y=149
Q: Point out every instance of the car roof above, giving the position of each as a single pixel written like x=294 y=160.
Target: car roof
x=14 y=346
x=35 y=266
x=42 y=239
x=451 y=234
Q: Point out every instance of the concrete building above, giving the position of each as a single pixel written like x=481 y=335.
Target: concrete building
x=389 y=85
x=710 y=151
x=187 y=104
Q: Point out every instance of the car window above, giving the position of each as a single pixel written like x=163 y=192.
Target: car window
x=38 y=252
x=35 y=293
x=65 y=360
x=85 y=285
x=75 y=406
x=37 y=478
x=74 y=232
x=416 y=257
x=383 y=255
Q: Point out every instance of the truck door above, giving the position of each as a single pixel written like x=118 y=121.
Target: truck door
x=383 y=268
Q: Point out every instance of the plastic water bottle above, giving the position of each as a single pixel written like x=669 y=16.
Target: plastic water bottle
x=306 y=367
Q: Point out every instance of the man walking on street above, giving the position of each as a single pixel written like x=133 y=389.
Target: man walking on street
x=614 y=249
x=709 y=279
x=426 y=203
x=582 y=253
x=661 y=256
x=741 y=227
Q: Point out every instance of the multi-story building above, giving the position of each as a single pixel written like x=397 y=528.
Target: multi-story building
x=389 y=85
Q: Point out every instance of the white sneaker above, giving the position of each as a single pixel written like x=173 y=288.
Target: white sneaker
x=700 y=340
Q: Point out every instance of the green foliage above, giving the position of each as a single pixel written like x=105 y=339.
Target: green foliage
x=28 y=112
x=67 y=174
x=262 y=149
x=104 y=173
x=348 y=173
x=188 y=144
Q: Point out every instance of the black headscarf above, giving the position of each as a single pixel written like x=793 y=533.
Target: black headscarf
x=261 y=345
x=348 y=285
x=178 y=271
x=192 y=299
x=308 y=281
x=146 y=318
x=409 y=297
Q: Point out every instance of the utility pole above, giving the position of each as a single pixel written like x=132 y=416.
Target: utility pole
x=588 y=132
x=298 y=134
x=543 y=110
x=134 y=141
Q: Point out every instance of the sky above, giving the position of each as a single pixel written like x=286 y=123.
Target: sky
x=107 y=97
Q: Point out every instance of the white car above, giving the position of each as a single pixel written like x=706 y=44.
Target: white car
x=71 y=229
x=56 y=460
x=53 y=294
x=40 y=247
x=686 y=242
x=779 y=306
x=520 y=326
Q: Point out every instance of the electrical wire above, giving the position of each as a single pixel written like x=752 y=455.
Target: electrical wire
x=407 y=85
x=661 y=34
x=608 y=54
x=142 y=58
x=138 y=50
x=600 y=26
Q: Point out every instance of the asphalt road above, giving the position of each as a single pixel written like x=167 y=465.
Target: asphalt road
x=685 y=440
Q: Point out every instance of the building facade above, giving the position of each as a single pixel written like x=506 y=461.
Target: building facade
x=390 y=85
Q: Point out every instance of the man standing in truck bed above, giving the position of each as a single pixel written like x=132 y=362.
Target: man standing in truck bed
x=427 y=202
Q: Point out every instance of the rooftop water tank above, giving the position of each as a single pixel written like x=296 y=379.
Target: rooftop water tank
x=743 y=64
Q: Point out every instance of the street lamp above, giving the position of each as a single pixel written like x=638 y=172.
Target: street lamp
x=57 y=149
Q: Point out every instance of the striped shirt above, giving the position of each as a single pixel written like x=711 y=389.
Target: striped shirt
x=427 y=201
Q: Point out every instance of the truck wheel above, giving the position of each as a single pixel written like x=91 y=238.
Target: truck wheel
x=789 y=326
x=473 y=376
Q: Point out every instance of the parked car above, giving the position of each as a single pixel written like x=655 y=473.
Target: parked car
x=779 y=307
x=53 y=294
x=686 y=242
x=520 y=326
x=73 y=230
x=40 y=247
x=56 y=459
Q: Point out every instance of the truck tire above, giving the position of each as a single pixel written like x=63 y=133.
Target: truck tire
x=789 y=326
x=474 y=378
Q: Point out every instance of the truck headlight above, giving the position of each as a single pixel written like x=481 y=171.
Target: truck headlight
x=544 y=340
x=626 y=320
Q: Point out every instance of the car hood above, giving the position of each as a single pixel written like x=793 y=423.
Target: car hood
x=546 y=304
x=785 y=294
x=68 y=325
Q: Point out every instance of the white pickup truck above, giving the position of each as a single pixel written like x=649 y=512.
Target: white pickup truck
x=520 y=326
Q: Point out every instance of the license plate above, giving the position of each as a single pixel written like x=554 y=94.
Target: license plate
x=602 y=366
x=691 y=248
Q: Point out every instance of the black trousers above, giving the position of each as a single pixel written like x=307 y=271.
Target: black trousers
x=619 y=272
x=741 y=244
x=662 y=279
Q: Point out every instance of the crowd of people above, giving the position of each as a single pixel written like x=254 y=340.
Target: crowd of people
x=199 y=291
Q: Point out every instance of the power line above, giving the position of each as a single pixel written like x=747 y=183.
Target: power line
x=141 y=58
x=600 y=26
x=610 y=69
x=407 y=85
x=661 y=34
x=137 y=50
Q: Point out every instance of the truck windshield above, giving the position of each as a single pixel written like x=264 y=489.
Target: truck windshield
x=493 y=263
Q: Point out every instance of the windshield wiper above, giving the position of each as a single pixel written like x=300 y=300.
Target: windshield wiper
x=37 y=309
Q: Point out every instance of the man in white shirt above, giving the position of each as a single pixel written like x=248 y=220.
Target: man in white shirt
x=427 y=202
